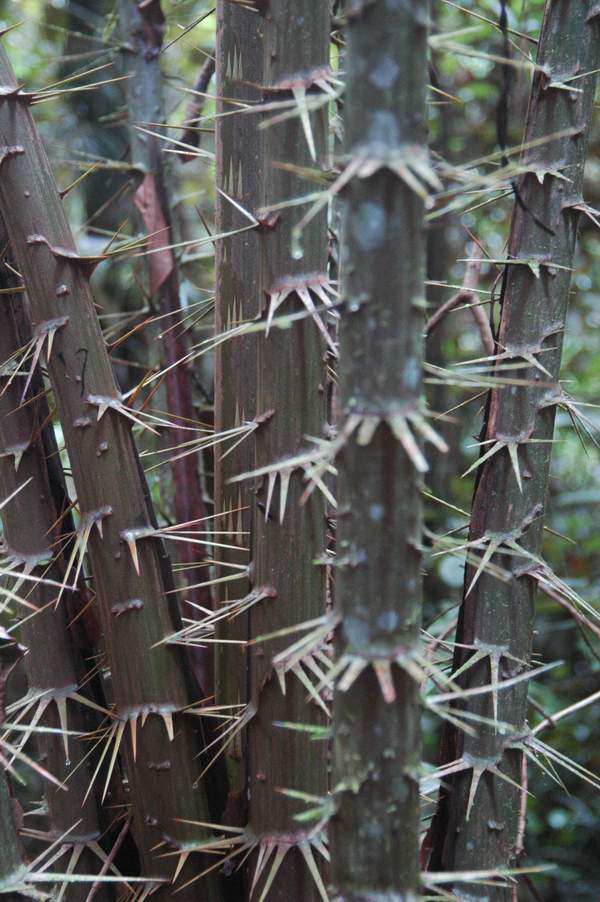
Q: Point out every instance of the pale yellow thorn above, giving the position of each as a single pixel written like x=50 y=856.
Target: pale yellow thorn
x=61 y=706
x=168 y=720
x=133 y=726
x=131 y=544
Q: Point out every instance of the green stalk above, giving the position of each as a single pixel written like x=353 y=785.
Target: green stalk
x=130 y=568
x=32 y=534
x=476 y=825
x=376 y=750
x=142 y=27
x=239 y=61
x=287 y=535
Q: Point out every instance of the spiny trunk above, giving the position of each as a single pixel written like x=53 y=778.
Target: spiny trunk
x=239 y=60
x=130 y=568
x=11 y=862
x=477 y=820
x=33 y=535
x=143 y=26
x=376 y=748
x=12 y=865
x=287 y=536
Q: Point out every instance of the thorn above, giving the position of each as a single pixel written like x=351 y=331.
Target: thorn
x=61 y=705
x=311 y=864
x=383 y=672
x=284 y=484
x=514 y=459
x=428 y=433
x=353 y=670
x=181 y=860
x=492 y=548
x=401 y=430
x=168 y=721
x=497 y=446
x=280 y=670
x=131 y=544
x=86 y=264
x=270 y=487
x=494 y=680
x=304 y=295
x=475 y=780
x=366 y=430
x=133 y=727
x=116 y=734
x=300 y=98
x=49 y=343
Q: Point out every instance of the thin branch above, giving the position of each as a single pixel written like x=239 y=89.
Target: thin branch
x=467 y=295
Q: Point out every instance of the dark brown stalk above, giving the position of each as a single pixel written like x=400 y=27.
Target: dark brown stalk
x=477 y=821
x=33 y=535
x=12 y=865
x=142 y=26
x=377 y=744
x=239 y=61
x=192 y=130
x=130 y=568
x=287 y=535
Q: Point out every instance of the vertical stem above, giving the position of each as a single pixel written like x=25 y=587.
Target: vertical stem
x=33 y=535
x=142 y=27
x=12 y=866
x=131 y=571
x=287 y=536
x=376 y=752
x=477 y=820
x=11 y=862
x=239 y=62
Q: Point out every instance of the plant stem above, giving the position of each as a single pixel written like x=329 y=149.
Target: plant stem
x=287 y=536
x=376 y=749
x=12 y=866
x=143 y=26
x=239 y=61
x=130 y=568
x=477 y=820
x=11 y=862
x=33 y=535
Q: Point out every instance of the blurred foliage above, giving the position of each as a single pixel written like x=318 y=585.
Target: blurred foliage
x=59 y=38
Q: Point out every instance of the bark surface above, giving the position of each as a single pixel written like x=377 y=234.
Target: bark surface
x=143 y=27
x=34 y=534
x=116 y=523
x=376 y=750
x=477 y=820
x=287 y=536
x=239 y=63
